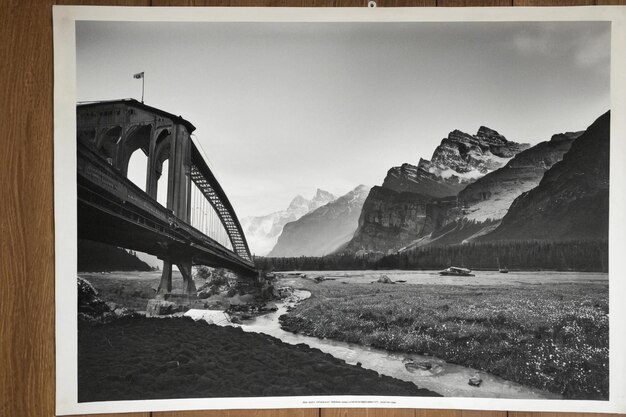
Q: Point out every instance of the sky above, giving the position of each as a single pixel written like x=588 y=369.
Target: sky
x=282 y=109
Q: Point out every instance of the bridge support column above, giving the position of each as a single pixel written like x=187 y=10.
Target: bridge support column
x=165 y=287
x=179 y=179
x=189 y=287
x=151 y=175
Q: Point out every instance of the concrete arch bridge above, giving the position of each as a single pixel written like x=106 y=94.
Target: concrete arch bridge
x=195 y=224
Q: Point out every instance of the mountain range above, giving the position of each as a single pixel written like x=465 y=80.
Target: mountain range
x=479 y=187
x=491 y=196
x=571 y=202
x=323 y=230
x=415 y=201
x=262 y=231
x=459 y=160
x=483 y=187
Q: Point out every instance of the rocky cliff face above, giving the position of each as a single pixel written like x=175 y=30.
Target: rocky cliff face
x=323 y=230
x=414 y=200
x=459 y=160
x=491 y=196
x=572 y=199
x=391 y=220
x=262 y=231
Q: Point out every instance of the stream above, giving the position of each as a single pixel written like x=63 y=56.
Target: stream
x=447 y=379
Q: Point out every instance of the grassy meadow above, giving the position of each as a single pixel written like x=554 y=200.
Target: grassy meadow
x=549 y=336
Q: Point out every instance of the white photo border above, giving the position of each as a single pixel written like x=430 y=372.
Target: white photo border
x=64 y=23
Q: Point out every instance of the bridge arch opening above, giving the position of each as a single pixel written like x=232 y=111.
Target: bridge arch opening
x=162 y=168
x=162 y=183
x=138 y=138
x=138 y=168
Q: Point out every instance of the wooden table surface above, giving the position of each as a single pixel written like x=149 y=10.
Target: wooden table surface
x=26 y=206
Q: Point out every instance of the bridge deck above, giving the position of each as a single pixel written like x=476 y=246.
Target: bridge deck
x=114 y=210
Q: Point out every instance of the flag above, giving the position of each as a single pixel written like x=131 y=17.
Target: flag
x=138 y=75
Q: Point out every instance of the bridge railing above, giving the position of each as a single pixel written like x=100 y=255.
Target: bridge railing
x=204 y=179
x=94 y=169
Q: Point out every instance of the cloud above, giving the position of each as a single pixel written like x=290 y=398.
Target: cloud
x=595 y=51
x=585 y=45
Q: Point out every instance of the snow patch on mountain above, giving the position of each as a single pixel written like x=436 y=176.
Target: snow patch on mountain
x=262 y=231
x=325 y=229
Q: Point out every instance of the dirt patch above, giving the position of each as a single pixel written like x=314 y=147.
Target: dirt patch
x=142 y=358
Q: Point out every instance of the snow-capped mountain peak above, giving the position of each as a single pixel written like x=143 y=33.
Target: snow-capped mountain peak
x=262 y=231
x=460 y=159
x=324 y=230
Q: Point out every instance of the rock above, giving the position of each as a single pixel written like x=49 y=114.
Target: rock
x=161 y=308
x=203 y=294
x=425 y=366
x=235 y=320
x=89 y=304
x=284 y=292
x=413 y=366
x=86 y=291
x=475 y=381
x=123 y=312
x=384 y=279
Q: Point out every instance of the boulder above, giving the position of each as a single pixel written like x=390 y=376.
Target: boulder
x=204 y=294
x=161 y=308
x=123 y=312
x=89 y=304
x=384 y=279
x=475 y=381
x=424 y=366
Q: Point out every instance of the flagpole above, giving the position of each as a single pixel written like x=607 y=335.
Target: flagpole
x=142 y=76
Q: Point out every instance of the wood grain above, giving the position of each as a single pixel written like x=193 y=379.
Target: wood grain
x=265 y=3
x=26 y=231
x=474 y=3
x=553 y=2
x=459 y=413
x=26 y=225
x=367 y=412
x=523 y=414
x=119 y=415
x=103 y=3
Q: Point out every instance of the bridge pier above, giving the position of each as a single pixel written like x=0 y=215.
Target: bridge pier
x=189 y=287
x=165 y=286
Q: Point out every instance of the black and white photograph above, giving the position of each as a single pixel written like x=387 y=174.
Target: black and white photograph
x=402 y=210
